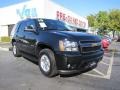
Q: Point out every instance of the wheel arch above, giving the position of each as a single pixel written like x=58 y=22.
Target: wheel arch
x=12 y=41
x=41 y=46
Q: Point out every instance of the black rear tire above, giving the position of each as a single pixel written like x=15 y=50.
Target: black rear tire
x=16 y=51
x=47 y=56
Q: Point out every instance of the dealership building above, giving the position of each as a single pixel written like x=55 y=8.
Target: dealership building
x=10 y=15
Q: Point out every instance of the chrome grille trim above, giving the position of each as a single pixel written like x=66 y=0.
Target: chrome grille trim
x=94 y=46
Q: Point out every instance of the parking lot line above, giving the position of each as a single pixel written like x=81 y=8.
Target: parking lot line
x=110 y=66
x=109 y=71
x=98 y=72
x=104 y=63
x=93 y=75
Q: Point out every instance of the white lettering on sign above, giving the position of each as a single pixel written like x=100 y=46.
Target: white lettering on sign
x=69 y=19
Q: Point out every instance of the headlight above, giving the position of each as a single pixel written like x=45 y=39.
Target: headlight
x=66 y=45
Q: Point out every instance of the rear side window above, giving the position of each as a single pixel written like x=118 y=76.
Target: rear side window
x=22 y=26
x=14 y=29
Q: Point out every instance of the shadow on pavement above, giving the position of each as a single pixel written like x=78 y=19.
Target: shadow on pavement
x=109 y=50
x=36 y=63
x=75 y=74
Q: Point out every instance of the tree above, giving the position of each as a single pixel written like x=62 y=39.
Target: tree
x=101 y=23
x=105 y=21
x=91 y=20
x=114 y=20
x=102 y=20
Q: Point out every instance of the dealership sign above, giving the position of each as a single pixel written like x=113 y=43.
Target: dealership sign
x=26 y=12
x=31 y=12
x=70 y=19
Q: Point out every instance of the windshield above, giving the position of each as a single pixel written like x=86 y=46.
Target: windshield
x=49 y=24
x=78 y=29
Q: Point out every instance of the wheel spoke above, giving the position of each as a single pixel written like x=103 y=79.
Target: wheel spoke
x=14 y=49
x=45 y=63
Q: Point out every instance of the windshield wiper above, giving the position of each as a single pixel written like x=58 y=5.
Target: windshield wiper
x=60 y=29
x=67 y=30
x=51 y=29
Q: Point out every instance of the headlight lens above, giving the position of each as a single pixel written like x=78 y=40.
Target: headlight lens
x=66 y=45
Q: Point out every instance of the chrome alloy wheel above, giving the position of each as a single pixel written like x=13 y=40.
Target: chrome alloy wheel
x=14 y=50
x=45 y=63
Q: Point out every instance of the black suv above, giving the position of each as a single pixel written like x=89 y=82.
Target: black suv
x=55 y=47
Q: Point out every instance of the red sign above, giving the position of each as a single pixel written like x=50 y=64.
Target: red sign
x=69 y=19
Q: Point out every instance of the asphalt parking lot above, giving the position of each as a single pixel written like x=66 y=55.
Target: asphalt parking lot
x=22 y=74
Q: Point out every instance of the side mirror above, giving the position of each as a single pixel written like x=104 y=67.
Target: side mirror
x=30 y=28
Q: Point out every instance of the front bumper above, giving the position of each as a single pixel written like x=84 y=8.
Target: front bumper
x=73 y=62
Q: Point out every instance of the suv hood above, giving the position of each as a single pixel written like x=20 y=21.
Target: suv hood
x=80 y=36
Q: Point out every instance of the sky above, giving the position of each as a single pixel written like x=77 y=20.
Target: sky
x=81 y=7
x=87 y=7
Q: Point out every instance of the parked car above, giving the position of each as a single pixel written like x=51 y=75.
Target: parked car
x=105 y=43
x=108 y=38
x=56 y=48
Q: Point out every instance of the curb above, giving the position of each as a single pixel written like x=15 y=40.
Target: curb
x=6 y=49
x=4 y=42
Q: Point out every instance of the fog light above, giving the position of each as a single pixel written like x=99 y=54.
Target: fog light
x=92 y=64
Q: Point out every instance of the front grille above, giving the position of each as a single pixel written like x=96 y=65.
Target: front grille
x=88 y=41
x=90 y=46
x=90 y=49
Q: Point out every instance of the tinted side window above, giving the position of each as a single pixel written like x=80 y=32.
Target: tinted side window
x=22 y=26
x=31 y=23
x=15 y=28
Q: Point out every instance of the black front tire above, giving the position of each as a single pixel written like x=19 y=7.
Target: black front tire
x=52 y=71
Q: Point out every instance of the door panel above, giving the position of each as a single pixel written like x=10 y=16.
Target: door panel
x=20 y=35
x=29 y=41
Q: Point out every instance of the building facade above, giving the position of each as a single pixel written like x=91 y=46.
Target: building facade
x=37 y=9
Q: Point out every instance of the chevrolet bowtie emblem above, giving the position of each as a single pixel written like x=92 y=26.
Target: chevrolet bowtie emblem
x=94 y=44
